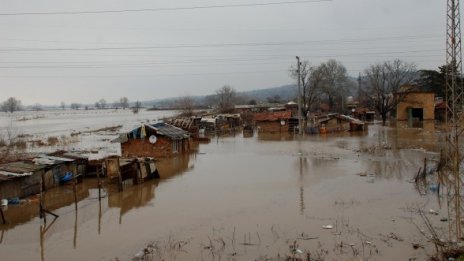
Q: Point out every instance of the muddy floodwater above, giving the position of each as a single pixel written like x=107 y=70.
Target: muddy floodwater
x=336 y=197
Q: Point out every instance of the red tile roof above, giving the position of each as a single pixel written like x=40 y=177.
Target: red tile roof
x=272 y=116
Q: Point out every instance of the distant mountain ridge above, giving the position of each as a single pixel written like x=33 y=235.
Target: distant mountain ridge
x=285 y=93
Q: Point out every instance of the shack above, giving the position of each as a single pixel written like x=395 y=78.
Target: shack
x=136 y=169
x=81 y=161
x=272 y=121
x=155 y=140
x=416 y=106
x=58 y=170
x=226 y=122
x=20 y=179
x=335 y=123
x=190 y=124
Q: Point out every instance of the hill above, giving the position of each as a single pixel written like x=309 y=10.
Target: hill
x=285 y=93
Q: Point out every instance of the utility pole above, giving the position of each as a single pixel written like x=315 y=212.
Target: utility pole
x=300 y=127
x=451 y=172
x=359 y=89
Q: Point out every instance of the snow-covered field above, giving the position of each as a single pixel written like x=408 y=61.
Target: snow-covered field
x=88 y=130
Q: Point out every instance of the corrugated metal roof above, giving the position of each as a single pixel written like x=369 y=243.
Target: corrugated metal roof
x=170 y=131
x=162 y=129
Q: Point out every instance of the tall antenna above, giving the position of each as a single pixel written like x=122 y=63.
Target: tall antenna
x=454 y=104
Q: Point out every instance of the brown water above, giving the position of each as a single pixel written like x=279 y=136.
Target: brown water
x=245 y=199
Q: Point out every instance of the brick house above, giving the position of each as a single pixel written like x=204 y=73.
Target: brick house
x=273 y=121
x=416 y=106
x=155 y=140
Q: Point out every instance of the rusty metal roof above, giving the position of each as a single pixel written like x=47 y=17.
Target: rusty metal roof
x=272 y=116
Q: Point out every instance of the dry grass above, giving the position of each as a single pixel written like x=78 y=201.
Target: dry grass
x=3 y=143
x=38 y=143
x=19 y=144
x=52 y=140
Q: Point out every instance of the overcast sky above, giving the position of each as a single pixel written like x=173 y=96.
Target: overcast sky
x=179 y=50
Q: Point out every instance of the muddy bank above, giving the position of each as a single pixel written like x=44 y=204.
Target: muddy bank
x=251 y=198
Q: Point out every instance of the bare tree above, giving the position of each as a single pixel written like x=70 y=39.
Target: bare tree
x=116 y=105
x=124 y=102
x=11 y=105
x=137 y=107
x=75 y=106
x=101 y=104
x=226 y=98
x=384 y=81
x=37 y=107
x=311 y=80
x=186 y=104
x=334 y=79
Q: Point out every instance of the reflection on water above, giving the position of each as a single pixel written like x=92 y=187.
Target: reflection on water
x=271 y=187
x=132 y=197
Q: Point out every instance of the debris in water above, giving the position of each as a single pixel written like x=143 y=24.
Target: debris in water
x=434 y=187
x=395 y=237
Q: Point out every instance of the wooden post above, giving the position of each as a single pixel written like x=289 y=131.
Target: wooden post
x=120 y=182
x=99 y=183
x=75 y=191
x=75 y=231
x=3 y=215
x=41 y=201
x=42 y=210
x=99 y=216
x=42 y=247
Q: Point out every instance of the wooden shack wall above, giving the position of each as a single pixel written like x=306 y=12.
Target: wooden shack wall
x=21 y=187
x=271 y=126
x=143 y=148
x=49 y=179
x=335 y=124
x=425 y=100
x=52 y=175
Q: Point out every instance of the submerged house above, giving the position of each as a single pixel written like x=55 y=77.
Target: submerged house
x=273 y=121
x=189 y=124
x=28 y=177
x=335 y=123
x=155 y=140
x=416 y=106
x=20 y=179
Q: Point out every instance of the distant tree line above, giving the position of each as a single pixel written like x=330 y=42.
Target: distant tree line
x=378 y=87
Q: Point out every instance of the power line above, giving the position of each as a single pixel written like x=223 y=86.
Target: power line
x=140 y=75
x=402 y=38
x=251 y=44
x=164 y=9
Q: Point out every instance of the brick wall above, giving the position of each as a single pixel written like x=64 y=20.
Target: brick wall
x=162 y=148
x=271 y=126
x=424 y=100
